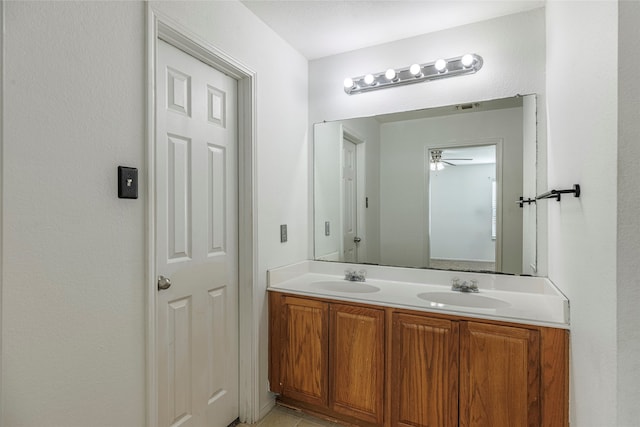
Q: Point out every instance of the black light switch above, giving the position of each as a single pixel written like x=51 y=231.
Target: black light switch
x=127 y=183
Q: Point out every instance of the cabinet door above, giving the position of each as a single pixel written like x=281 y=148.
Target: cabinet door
x=304 y=367
x=424 y=381
x=499 y=376
x=356 y=373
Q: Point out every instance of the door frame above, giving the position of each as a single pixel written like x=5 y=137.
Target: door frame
x=2 y=32
x=161 y=27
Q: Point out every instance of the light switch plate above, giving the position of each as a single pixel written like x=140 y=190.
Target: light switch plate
x=127 y=182
x=283 y=233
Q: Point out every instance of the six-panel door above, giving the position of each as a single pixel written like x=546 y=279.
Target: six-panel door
x=196 y=237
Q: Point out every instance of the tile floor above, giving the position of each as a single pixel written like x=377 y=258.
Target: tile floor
x=284 y=417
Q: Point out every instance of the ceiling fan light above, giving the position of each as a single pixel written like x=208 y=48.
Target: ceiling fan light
x=436 y=166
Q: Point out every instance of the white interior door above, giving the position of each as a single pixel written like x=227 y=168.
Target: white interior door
x=196 y=242
x=349 y=202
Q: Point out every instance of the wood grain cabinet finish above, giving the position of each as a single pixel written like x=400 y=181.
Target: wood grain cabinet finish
x=385 y=367
x=304 y=359
x=356 y=361
x=499 y=376
x=424 y=372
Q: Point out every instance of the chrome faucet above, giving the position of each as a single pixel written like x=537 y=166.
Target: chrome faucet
x=465 y=286
x=353 y=276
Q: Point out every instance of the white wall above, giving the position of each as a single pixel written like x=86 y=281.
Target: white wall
x=461 y=213
x=582 y=135
x=74 y=259
x=326 y=177
x=73 y=279
x=404 y=208
x=512 y=47
x=628 y=248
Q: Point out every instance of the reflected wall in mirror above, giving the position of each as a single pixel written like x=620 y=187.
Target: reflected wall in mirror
x=434 y=188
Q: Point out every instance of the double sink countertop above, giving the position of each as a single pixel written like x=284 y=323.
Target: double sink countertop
x=521 y=299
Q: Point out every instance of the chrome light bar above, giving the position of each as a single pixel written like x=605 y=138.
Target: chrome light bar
x=469 y=63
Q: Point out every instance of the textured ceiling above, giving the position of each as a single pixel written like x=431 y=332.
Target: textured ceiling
x=318 y=28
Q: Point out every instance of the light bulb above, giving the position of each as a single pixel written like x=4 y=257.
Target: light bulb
x=369 y=79
x=436 y=166
x=390 y=74
x=415 y=70
x=348 y=83
x=441 y=65
x=467 y=60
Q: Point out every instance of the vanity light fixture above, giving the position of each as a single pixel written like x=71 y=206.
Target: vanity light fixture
x=441 y=65
x=416 y=70
x=467 y=60
x=391 y=75
x=442 y=68
x=349 y=84
x=369 y=79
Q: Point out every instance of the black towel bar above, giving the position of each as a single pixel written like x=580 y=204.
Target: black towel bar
x=555 y=194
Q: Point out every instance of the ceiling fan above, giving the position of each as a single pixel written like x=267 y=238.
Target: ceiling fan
x=437 y=162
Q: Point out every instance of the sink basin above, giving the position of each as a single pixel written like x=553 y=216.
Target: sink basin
x=460 y=299
x=345 y=286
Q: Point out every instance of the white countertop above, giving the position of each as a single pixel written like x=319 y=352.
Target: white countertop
x=523 y=299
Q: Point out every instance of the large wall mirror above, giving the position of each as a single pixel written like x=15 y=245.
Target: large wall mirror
x=433 y=188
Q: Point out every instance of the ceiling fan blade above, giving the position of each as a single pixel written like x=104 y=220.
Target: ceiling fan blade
x=450 y=164
x=457 y=159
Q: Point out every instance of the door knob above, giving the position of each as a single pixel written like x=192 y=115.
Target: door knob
x=357 y=239
x=163 y=283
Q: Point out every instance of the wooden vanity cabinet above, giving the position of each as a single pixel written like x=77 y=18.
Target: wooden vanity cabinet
x=372 y=366
x=303 y=329
x=328 y=357
x=499 y=376
x=424 y=371
x=356 y=361
x=456 y=372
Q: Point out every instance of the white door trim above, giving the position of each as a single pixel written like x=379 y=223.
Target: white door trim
x=2 y=32
x=162 y=27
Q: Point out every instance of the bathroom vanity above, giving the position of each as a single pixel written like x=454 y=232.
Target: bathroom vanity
x=402 y=349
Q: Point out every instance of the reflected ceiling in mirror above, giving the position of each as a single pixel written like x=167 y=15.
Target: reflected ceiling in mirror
x=433 y=188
